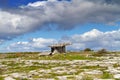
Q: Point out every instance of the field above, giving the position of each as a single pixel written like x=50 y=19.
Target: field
x=84 y=65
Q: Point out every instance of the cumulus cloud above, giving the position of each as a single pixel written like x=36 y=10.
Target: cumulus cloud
x=68 y=14
x=14 y=24
x=96 y=39
x=65 y=14
x=36 y=44
x=93 y=39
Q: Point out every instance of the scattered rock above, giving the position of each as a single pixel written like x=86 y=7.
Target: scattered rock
x=78 y=77
x=62 y=77
x=9 y=78
x=15 y=75
x=117 y=76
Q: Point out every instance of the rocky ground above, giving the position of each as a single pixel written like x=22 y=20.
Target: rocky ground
x=36 y=67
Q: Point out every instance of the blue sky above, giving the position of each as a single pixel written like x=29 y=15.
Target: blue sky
x=15 y=3
x=32 y=25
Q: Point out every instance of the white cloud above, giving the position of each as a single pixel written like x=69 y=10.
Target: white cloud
x=36 y=4
x=77 y=12
x=36 y=44
x=39 y=3
x=14 y=24
x=41 y=42
x=88 y=36
x=66 y=14
x=96 y=39
x=93 y=39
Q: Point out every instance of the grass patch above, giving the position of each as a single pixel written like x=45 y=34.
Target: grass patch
x=87 y=78
x=23 y=69
x=116 y=65
x=107 y=75
x=68 y=56
x=1 y=78
x=19 y=54
x=94 y=67
x=90 y=67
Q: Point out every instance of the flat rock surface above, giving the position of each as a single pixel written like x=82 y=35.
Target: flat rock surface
x=102 y=68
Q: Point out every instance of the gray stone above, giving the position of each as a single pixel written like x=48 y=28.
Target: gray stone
x=78 y=77
x=117 y=76
x=9 y=78
x=62 y=77
x=15 y=75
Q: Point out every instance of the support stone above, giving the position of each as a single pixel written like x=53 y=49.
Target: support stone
x=58 y=48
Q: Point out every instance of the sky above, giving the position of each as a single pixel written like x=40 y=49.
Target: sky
x=33 y=25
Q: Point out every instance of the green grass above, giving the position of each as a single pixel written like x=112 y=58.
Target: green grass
x=82 y=55
x=34 y=55
x=67 y=56
x=90 y=67
x=87 y=78
x=19 y=67
x=94 y=67
x=1 y=78
x=23 y=69
x=1 y=71
x=107 y=75
x=116 y=65
x=19 y=79
x=17 y=54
